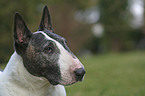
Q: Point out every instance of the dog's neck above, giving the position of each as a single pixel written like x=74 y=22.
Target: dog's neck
x=16 y=73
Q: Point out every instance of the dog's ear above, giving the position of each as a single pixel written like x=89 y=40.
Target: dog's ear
x=45 y=20
x=22 y=34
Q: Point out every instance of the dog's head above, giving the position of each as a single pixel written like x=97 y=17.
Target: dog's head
x=46 y=54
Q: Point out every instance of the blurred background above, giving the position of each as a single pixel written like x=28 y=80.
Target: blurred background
x=107 y=35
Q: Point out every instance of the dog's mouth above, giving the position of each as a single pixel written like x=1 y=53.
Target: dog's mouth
x=65 y=83
x=53 y=82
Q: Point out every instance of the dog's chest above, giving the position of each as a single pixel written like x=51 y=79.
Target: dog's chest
x=15 y=88
x=9 y=89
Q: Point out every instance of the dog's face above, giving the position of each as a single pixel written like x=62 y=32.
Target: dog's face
x=46 y=54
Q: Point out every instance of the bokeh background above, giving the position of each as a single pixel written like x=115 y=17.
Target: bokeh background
x=107 y=35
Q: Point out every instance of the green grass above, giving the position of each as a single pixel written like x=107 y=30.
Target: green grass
x=112 y=75
x=120 y=74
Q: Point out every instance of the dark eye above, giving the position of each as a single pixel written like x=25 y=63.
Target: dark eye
x=48 y=50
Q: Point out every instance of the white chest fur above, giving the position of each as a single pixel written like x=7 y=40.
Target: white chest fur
x=16 y=81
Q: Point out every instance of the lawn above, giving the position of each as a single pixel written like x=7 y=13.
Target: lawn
x=112 y=74
x=121 y=74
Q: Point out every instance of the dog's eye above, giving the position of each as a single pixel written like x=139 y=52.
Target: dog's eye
x=48 y=50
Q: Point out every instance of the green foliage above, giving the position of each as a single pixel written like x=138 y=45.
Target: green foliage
x=113 y=13
x=115 y=18
x=112 y=74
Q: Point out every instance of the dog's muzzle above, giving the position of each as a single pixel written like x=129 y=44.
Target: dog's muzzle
x=79 y=74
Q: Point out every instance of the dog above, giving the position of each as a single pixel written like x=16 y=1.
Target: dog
x=42 y=63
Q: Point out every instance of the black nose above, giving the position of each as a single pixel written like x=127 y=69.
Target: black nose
x=79 y=73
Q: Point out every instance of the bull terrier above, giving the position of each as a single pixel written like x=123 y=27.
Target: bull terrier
x=42 y=63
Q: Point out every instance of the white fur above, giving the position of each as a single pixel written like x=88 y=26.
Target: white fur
x=15 y=80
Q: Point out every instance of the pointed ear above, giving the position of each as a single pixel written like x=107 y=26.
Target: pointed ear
x=22 y=34
x=45 y=21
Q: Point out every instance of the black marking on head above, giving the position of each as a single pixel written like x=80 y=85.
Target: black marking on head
x=41 y=63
